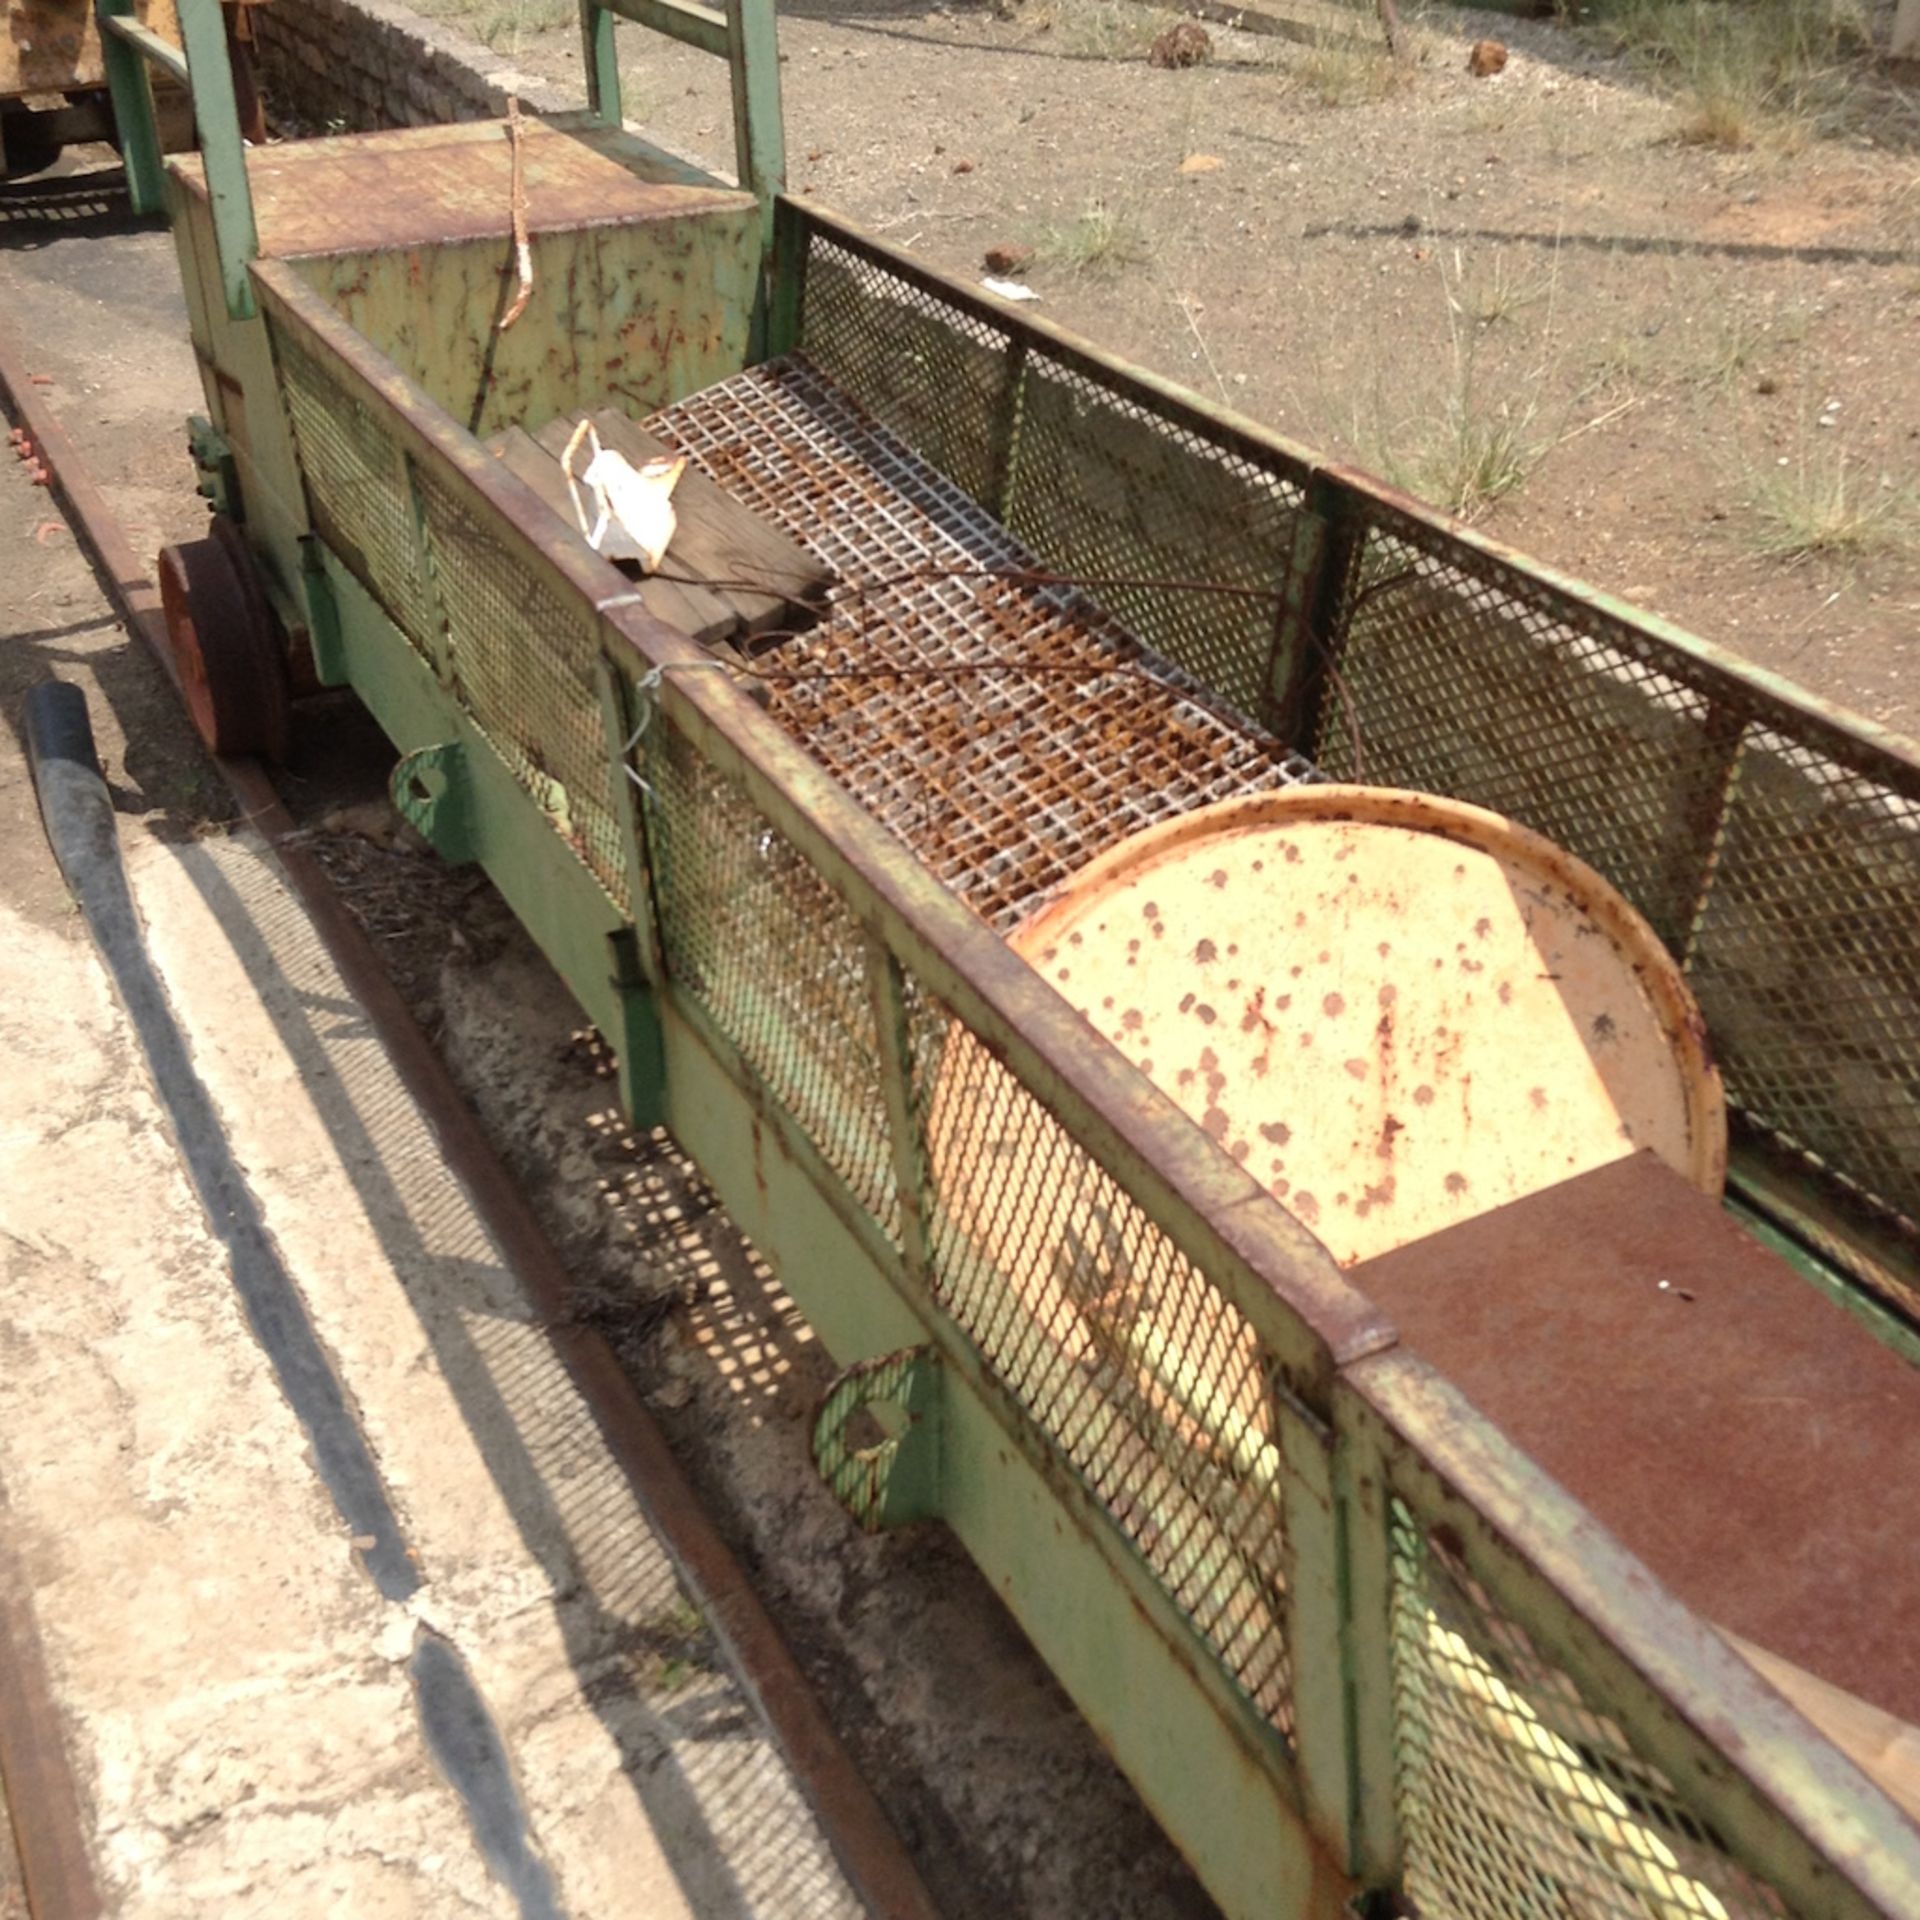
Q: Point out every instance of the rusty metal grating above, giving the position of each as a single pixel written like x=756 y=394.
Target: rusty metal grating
x=1515 y=1795
x=357 y=486
x=1007 y=731
x=1147 y=1379
x=522 y=654
x=1783 y=878
x=753 y=933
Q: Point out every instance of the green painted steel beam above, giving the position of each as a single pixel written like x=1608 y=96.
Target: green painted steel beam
x=123 y=53
x=687 y=21
x=216 y=118
x=600 y=52
x=146 y=43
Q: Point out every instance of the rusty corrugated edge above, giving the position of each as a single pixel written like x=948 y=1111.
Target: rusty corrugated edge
x=856 y=1827
x=1732 y=1733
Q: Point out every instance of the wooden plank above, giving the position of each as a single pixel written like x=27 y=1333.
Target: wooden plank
x=719 y=538
x=700 y=615
x=1886 y=1750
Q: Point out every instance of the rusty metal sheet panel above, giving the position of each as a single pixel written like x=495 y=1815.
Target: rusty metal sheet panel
x=51 y=46
x=426 y=185
x=1395 y=1011
x=1748 y=1439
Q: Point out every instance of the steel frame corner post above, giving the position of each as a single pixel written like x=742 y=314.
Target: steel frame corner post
x=638 y=969
x=131 y=90
x=759 y=135
x=600 y=51
x=223 y=150
x=1364 y=1542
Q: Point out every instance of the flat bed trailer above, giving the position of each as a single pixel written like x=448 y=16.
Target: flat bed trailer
x=1357 y=1648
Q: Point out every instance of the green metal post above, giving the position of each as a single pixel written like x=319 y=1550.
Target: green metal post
x=598 y=48
x=222 y=150
x=759 y=138
x=132 y=94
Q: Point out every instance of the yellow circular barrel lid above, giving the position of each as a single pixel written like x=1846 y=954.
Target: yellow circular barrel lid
x=1397 y=1011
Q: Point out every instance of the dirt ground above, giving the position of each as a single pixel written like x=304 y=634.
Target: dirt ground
x=1671 y=355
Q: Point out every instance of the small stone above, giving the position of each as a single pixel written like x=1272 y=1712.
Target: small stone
x=963 y=166
x=1003 y=260
x=1486 y=58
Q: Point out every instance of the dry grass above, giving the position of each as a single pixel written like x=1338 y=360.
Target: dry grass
x=1819 y=504
x=504 y=27
x=1498 y=293
x=1341 y=69
x=1099 y=29
x=1743 y=70
x=1098 y=241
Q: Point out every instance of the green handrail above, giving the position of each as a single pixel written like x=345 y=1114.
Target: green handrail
x=203 y=67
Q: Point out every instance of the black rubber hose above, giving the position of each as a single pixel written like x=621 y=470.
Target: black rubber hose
x=77 y=811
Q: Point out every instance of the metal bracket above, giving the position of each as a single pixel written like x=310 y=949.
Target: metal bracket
x=219 y=478
x=322 y=623
x=897 y=1480
x=429 y=792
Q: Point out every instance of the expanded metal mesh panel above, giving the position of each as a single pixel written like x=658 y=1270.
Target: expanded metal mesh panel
x=1008 y=731
x=1807 y=964
x=1785 y=881
x=1185 y=542
x=1470 y=679
x=760 y=940
x=1148 y=1381
x=1518 y=1800
x=357 y=487
x=522 y=653
x=939 y=378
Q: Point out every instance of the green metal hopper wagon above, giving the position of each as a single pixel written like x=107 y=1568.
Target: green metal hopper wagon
x=1377 y=1653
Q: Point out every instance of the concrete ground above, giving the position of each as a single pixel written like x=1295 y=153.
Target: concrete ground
x=236 y=1697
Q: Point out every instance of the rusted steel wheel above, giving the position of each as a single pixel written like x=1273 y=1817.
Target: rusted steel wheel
x=226 y=644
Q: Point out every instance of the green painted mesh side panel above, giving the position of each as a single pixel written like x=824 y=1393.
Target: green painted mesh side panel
x=754 y=934
x=1807 y=962
x=522 y=652
x=1516 y=1796
x=1134 y=503
x=1782 y=874
x=1148 y=1381
x=1181 y=530
x=940 y=379
x=357 y=487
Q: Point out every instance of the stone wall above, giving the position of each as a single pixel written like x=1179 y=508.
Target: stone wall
x=338 y=66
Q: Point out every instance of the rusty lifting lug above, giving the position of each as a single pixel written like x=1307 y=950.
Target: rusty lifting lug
x=429 y=791
x=898 y=1479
